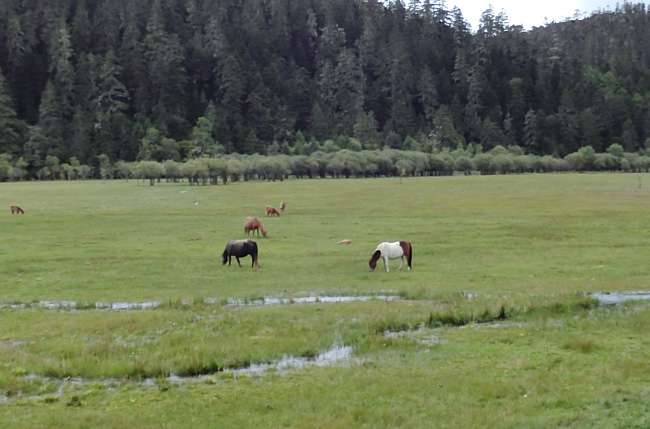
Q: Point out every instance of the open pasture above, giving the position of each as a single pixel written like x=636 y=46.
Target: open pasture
x=493 y=328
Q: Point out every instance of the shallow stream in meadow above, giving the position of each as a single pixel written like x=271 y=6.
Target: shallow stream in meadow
x=66 y=305
x=336 y=355
x=616 y=298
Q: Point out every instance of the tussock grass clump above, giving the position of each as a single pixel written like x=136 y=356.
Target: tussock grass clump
x=391 y=325
x=85 y=305
x=461 y=317
x=573 y=305
x=581 y=345
x=208 y=368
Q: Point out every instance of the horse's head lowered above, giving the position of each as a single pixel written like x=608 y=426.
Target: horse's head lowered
x=373 y=260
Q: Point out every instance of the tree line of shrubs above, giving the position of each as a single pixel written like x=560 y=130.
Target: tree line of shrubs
x=321 y=164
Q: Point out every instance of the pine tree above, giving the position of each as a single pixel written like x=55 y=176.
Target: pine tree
x=444 y=133
x=51 y=121
x=366 y=130
x=81 y=28
x=320 y=124
x=55 y=117
x=517 y=108
x=203 y=139
x=491 y=135
x=112 y=96
x=12 y=130
x=166 y=73
x=532 y=138
x=427 y=97
x=590 y=129
x=349 y=91
x=630 y=136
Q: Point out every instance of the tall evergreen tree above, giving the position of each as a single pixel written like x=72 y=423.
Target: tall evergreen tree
x=12 y=129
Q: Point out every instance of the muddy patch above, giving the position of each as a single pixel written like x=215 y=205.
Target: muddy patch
x=616 y=298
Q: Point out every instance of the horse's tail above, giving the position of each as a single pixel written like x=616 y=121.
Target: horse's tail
x=409 y=257
x=256 y=262
x=407 y=248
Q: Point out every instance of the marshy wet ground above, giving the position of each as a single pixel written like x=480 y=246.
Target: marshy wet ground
x=55 y=388
x=67 y=305
x=616 y=298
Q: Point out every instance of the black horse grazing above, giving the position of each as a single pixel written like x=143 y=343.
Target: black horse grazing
x=239 y=249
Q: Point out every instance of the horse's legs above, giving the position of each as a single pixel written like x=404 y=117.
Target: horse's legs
x=229 y=259
x=386 y=268
x=401 y=263
x=238 y=263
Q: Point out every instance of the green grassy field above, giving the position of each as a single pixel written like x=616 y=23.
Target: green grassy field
x=522 y=248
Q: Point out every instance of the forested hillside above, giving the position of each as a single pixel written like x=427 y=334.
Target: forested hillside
x=179 y=79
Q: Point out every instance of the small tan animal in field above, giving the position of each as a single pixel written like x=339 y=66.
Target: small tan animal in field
x=16 y=210
x=345 y=242
x=272 y=211
x=283 y=206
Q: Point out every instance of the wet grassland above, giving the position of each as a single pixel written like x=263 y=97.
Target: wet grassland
x=115 y=310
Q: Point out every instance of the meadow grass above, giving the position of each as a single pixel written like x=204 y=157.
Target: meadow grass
x=514 y=248
x=530 y=235
x=515 y=376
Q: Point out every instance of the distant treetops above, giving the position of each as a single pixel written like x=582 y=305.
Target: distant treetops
x=85 y=84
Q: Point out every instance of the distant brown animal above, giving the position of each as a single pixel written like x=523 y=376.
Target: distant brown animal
x=16 y=210
x=252 y=224
x=271 y=211
x=283 y=206
x=345 y=242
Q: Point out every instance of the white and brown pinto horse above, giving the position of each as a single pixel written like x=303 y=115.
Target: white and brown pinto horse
x=388 y=251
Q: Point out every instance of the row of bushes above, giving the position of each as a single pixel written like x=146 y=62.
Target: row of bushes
x=343 y=163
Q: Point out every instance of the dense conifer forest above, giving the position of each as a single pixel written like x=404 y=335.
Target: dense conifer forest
x=92 y=82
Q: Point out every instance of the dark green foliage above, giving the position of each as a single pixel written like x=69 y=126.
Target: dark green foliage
x=12 y=129
x=95 y=76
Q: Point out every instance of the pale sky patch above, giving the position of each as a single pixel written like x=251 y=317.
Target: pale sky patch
x=530 y=13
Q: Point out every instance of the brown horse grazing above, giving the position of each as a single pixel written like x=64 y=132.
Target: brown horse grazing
x=271 y=211
x=396 y=250
x=252 y=224
x=16 y=210
x=240 y=249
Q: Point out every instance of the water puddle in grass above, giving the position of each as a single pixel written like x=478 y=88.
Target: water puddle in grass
x=232 y=302
x=73 y=305
x=336 y=355
x=615 y=298
x=327 y=299
x=333 y=356
x=421 y=335
x=431 y=336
